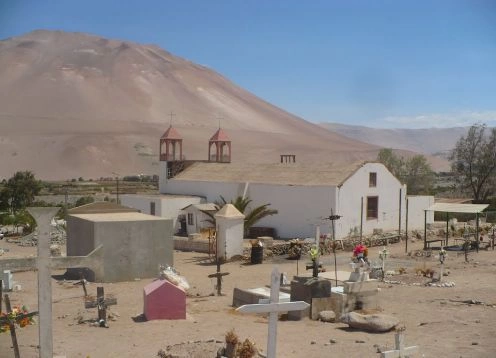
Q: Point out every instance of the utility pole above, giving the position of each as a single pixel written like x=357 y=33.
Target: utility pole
x=117 y=184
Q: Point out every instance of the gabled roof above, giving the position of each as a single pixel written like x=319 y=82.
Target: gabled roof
x=229 y=211
x=220 y=136
x=171 y=133
x=328 y=174
x=203 y=207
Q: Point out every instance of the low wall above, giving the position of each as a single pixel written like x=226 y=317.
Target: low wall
x=187 y=244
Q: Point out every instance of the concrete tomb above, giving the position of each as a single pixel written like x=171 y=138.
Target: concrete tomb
x=134 y=244
x=313 y=290
x=164 y=300
x=7 y=280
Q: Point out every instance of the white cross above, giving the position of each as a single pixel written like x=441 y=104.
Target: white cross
x=273 y=308
x=44 y=264
x=399 y=351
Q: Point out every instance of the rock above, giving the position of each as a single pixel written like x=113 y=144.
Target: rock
x=327 y=316
x=313 y=342
x=370 y=323
x=333 y=341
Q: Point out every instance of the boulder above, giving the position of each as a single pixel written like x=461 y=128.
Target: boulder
x=370 y=323
x=327 y=316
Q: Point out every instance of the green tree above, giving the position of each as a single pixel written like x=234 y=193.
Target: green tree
x=419 y=177
x=19 y=191
x=393 y=162
x=415 y=172
x=242 y=204
x=84 y=200
x=473 y=161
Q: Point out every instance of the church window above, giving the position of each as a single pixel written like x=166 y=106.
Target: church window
x=372 y=207
x=372 y=180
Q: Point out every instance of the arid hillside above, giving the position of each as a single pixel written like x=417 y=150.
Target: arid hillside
x=74 y=105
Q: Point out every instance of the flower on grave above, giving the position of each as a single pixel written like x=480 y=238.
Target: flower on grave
x=314 y=252
x=383 y=254
x=16 y=317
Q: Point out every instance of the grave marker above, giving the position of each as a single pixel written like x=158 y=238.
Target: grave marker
x=399 y=351
x=273 y=308
x=44 y=264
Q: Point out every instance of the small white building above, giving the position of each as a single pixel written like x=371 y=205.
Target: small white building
x=166 y=206
x=196 y=219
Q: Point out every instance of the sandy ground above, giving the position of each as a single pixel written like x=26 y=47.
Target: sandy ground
x=434 y=317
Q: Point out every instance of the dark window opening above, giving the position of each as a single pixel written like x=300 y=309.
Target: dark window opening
x=372 y=207
x=372 y=180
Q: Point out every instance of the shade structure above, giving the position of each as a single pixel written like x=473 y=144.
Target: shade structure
x=455 y=208
x=458 y=208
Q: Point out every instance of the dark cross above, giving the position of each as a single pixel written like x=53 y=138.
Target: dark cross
x=172 y=114
x=101 y=303
x=219 y=275
x=11 y=322
x=333 y=217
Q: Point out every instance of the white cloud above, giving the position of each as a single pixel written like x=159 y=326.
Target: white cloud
x=438 y=120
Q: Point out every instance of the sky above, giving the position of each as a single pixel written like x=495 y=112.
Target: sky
x=383 y=64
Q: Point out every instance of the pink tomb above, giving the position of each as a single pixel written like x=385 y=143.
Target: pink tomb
x=164 y=300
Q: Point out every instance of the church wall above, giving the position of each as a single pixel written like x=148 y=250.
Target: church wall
x=357 y=187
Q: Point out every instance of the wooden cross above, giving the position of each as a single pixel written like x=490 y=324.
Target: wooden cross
x=44 y=264
x=399 y=351
x=219 y=275
x=273 y=308
x=101 y=303
x=12 y=322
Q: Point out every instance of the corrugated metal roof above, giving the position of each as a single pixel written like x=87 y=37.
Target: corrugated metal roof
x=308 y=174
x=458 y=208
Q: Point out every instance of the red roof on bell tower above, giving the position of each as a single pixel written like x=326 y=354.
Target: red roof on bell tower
x=220 y=136
x=171 y=133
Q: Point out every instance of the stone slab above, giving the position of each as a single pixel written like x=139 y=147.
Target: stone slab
x=254 y=295
x=319 y=305
x=330 y=275
x=361 y=286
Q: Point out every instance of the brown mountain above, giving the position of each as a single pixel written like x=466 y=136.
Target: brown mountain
x=73 y=105
x=434 y=141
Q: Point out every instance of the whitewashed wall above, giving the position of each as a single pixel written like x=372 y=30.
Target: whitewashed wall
x=300 y=207
x=165 y=206
x=416 y=206
x=357 y=187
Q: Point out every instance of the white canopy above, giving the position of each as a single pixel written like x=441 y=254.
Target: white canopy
x=458 y=208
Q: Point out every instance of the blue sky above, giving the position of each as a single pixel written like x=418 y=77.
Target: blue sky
x=403 y=64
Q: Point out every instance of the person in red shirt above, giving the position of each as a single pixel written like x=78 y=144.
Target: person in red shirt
x=360 y=252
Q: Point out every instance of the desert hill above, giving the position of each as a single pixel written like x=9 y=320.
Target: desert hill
x=433 y=141
x=74 y=105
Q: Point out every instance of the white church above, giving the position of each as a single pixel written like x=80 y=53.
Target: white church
x=365 y=195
